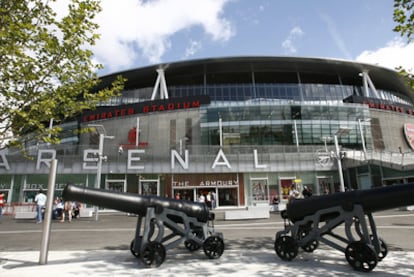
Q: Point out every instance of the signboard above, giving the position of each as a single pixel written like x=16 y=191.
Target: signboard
x=160 y=105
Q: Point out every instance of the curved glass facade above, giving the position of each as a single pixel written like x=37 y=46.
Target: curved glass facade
x=224 y=93
x=244 y=128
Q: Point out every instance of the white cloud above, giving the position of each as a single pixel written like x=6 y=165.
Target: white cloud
x=289 y=43
x=192 y=48
x=396 y=53
x=135 y=28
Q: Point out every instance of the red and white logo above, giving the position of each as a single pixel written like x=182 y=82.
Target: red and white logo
x=409 y=134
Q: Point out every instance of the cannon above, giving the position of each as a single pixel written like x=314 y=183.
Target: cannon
x=163 y=223
x=312 y=220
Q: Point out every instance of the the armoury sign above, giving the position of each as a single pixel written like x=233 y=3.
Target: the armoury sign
x=160 y=105
x=409 y=134
x=206 y=183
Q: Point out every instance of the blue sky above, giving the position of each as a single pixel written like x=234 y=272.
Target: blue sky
x=136 y=33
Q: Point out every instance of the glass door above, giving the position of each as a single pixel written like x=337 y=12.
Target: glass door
x=325 y=185
x=259 y=190
x=116 y=185
x=149 y=187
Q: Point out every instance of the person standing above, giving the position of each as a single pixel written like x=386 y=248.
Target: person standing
x=213 y=199
x=40 y=200
x=1 y=204
x=67 y=212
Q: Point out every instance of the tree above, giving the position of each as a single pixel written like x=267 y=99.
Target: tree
x=46 y=67
x=404 y=18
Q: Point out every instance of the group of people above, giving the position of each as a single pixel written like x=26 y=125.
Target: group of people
x=62 y=210
x=294 y=193
x=209 y=199
x=65 y=210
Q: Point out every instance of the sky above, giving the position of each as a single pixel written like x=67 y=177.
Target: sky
x=138 y=33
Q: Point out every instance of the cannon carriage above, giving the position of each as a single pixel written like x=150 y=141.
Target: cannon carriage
x=316 y=219
x=162 y=224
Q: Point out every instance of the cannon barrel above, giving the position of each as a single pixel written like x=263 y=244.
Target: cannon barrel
x=133 y=203
x=371 y=200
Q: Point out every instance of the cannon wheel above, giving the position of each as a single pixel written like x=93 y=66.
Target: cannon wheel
x=383 y=248
x=213 y=247
x=304 y=230
x=131 y=248
x=191 y=245
x=153 y=254
x=361 y=256
x=311 y=246
x=286 y=248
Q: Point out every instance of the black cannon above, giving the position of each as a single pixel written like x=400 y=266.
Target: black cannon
x=166 y=222
x=313 y=220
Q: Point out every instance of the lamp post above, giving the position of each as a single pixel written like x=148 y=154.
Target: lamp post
x=342 y=131
x=102 y=136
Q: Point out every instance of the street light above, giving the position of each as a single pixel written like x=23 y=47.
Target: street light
x=342 y=131
x=102 y=136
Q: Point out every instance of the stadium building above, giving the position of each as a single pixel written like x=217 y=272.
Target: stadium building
x=246 y=128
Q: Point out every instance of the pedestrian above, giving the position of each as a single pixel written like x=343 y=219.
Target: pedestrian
x=1 y=204
x=59 y=208
x=67 y=212
x=202 y=198
x=306 y=192
x=293 y=193
x=40 y=200
x=213 y=200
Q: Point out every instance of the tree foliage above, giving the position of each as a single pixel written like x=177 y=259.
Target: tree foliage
x=46 y=66
x=404 y=18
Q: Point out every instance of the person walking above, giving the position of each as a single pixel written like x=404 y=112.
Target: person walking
x=1 y=204
x=40 y=200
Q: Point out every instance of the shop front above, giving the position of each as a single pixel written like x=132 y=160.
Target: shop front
x=226 y=189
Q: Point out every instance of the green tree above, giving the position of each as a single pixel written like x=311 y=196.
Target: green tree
x=404 y=18
x=46 y=67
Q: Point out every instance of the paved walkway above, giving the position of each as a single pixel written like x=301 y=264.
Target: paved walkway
x=180 y=262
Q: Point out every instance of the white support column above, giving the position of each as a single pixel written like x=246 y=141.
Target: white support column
x=160 y=85
x=368 y=85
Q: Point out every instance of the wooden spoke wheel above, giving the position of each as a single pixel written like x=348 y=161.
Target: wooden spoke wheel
x=191 y=245
x=311 y=246
x=213 y=247
x=361 y=256
x=286 y=248
x=383 y=248
x=153 y=254
x=131 y=248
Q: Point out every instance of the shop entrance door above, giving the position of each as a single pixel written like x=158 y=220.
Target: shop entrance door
x=149 y=187
x=325 y=185
x=259 y=191
x=285 y=184
x=115 y=185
